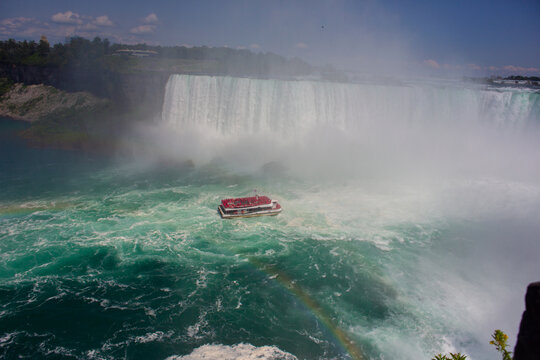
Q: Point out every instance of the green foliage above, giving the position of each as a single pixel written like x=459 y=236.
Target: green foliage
x=451 y=356
x=43 y=48
x=99 y=55
x=77 y=52
x=34 y=59
x=500 y=340
x=519 y=77
x=5 y=86
x=99 y=67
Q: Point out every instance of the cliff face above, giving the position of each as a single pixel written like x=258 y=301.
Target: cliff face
x=37 y=102
x=30 y=75
x=528 y=342
x=143 y=90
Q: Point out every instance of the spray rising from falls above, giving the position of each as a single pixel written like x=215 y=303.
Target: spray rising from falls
x=231 y=105
x=293 y=121
x=424 y=171
x=350 y=268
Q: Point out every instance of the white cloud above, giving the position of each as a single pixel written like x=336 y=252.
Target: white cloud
x=301 y=45
x=14 y=22
x=151 y=19
x=520 y=69
x=25 y=28
x=432 y=63
x=89 y=27
x=103 y=21
x=68 y=17
x=150 y=25
x=452 y=67
x=143 y=29
x=21 y=28
x=254 y=46
x=11 y=26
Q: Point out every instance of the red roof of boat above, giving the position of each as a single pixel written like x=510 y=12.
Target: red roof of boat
x=245 y=202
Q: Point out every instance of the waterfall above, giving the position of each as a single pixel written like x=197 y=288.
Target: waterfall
x=422 y=128
x=231 y=105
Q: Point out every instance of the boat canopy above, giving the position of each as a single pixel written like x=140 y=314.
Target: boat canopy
x=238 y=203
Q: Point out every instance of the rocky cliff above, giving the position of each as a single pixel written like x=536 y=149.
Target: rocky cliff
x=528 y=342
x=141 y=90
x=37 y=102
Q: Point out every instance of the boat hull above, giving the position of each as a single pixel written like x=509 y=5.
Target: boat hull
x=269 y=212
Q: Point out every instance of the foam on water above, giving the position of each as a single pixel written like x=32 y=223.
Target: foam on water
x=412 y=130
x=474 y=151
x=236 y=352
x=402 y=267
x=398 y=229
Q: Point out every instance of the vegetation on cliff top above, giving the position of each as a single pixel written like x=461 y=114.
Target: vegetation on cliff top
x=5 y=86
x=105 y=70
x=78 y=52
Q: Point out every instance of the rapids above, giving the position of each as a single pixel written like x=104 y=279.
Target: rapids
x=409 y=228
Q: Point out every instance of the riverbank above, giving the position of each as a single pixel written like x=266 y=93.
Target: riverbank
x=32 y=103
x=61 y=119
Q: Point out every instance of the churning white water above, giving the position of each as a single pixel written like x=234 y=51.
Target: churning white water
x=420 y=128
x=445 y=177
x=409 y=227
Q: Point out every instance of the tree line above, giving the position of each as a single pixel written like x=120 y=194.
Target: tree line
x=78 y=52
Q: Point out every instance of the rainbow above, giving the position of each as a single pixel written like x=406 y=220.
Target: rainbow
x=282 y=278
x=317 y=309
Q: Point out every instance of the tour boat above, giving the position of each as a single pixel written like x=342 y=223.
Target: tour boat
x=248 y=207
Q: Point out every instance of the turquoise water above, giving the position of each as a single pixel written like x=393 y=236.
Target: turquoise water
x=104 y=261
x=108 y=257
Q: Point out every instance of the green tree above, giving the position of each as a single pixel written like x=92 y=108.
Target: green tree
x=43 y=47
x=451 y=356
x=500 y=340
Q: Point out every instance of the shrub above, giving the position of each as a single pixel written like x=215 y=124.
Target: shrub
x=451 y=356
x=500 y=340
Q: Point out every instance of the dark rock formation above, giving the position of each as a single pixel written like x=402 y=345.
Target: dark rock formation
x=62 y=78
x=274 y=168
x=142 y=90
x=528 y=342
x=37 y=102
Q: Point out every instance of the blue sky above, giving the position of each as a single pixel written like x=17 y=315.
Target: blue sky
x=474 y=37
